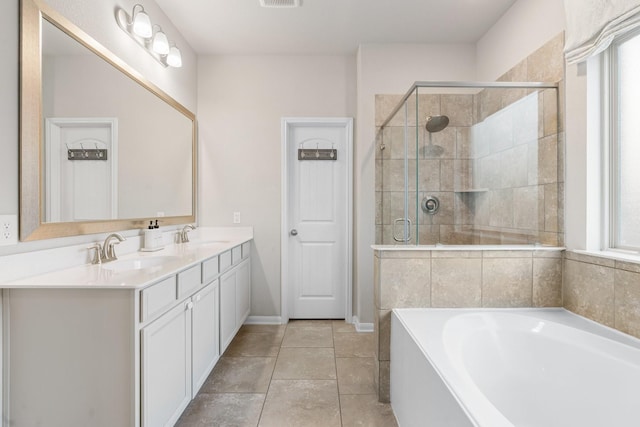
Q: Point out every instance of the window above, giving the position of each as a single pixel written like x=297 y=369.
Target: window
x=624 y=154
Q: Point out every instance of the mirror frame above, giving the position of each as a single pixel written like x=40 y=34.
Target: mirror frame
x=31 y=129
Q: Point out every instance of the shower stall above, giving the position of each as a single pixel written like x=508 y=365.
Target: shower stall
x=461 y=163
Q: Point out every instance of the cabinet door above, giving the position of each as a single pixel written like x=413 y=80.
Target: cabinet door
x=205 y=340
x=166 y=367
x=227 y=308
x=243 y=292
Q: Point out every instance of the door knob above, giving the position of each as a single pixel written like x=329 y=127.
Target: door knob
x=293 y=232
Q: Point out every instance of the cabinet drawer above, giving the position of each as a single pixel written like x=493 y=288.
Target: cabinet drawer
x=225 y=261
x=157 y=298
x=236 y=255
x=246 y=250
x=210 y=269
x=189 y=281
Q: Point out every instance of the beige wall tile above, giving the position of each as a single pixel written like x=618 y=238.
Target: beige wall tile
x=429 y=234
x=513 y=166
x=394 y=139
x=384 y=105
x=627 y=302
x=456 y=254
x=588 y=290
x=548 y=160
x=445 y=139
x=502 y=208
x=507 y=282
x=459 y=108
x=456 y=234
x=445 y=212
x=463 y=143
x=547 y=63
x=628 y=266
x=384 y=381
x=410 y=253
x=506 y=254
x=447 y=172
x=429 y=175
x=547 y=282
x=550 y=112
x=383 y=333
x=525 y=208
x=428 y=105
x=548 y=253
x=590 y=259
x=456 y=282
x=551 y=207
x=405 y=283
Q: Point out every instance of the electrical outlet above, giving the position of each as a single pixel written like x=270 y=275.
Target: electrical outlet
x=8 y=230
x=236 y=217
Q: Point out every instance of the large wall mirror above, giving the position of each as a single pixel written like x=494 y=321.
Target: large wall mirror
x=101 y=148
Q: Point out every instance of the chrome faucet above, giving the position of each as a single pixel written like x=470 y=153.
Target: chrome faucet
x=184 y=236
x=108 y=250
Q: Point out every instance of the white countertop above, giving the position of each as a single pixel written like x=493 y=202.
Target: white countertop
x=175 y=257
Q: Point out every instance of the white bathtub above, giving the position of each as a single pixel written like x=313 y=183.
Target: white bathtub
x=511 y=367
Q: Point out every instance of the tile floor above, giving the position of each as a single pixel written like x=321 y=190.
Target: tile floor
x=304 y=374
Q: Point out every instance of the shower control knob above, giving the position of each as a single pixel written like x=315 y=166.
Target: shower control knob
x=293 y=232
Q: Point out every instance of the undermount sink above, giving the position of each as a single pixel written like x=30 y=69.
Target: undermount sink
x=138 y=263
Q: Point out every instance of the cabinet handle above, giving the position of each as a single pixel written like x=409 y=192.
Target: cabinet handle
x=198 y=297
x=189 y=305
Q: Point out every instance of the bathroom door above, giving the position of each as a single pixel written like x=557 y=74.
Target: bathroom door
x=77 y=189
x=316 y=258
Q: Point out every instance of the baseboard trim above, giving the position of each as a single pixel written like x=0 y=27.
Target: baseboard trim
x=362 y=327
x=263 y=320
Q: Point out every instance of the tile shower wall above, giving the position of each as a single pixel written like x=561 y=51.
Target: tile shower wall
x=498 y=171
x=604 y=290
x=458 y=278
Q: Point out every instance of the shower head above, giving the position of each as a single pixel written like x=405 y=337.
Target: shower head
x=436 y=123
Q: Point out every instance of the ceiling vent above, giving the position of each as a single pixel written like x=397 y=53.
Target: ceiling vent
x=280 y=3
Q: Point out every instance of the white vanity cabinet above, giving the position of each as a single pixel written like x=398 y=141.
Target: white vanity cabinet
x=166 y=366
x=120 y=356
x=205 y=335
x=235 y=296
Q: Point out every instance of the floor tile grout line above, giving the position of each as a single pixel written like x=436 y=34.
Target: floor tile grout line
x=264 y=402
x=335 y=364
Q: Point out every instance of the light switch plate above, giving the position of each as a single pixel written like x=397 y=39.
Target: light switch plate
x=8 y=230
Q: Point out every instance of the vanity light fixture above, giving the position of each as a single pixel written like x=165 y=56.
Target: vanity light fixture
x=174 y=58
x=151 y=37
x=160 y=42
x=141 y=22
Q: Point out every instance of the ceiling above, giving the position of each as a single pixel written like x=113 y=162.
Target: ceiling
x=328 y=26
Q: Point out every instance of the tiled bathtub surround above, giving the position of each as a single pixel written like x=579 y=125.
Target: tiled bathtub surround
x=604 y=290
x=454 y=277
x=497 y=168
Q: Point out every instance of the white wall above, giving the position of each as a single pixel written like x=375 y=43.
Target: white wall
x=390 y=69
x=97 y=18
x=241 y=100
x=525 y=27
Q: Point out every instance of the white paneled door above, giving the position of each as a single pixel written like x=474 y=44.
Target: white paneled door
x=81 y=188
x=317 y=218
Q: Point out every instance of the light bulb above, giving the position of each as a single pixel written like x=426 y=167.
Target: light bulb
x=160 y=43
x=142 y=24
x=174 y=58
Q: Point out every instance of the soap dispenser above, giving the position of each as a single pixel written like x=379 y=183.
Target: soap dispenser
x=152 y=238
